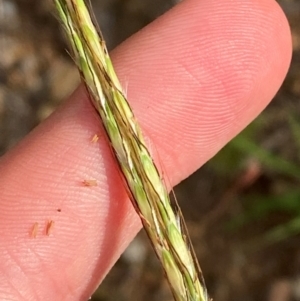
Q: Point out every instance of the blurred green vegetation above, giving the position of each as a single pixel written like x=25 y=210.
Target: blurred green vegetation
x=281 y=195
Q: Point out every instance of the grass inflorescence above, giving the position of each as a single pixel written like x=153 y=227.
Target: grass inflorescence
x=162 y=220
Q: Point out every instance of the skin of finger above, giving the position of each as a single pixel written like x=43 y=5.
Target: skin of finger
x=195 y=78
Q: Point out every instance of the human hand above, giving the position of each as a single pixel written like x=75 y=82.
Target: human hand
x=196 y=77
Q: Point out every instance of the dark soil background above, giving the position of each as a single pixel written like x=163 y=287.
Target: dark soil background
x=242 y=208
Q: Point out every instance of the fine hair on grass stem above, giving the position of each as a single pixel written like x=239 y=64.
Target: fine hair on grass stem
x=161 y=219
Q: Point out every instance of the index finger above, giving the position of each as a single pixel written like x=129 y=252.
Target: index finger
x=198 y=75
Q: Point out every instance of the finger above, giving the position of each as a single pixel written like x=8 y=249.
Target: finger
x=195 y=78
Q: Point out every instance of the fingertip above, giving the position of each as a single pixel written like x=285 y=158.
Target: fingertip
x=217 y=64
